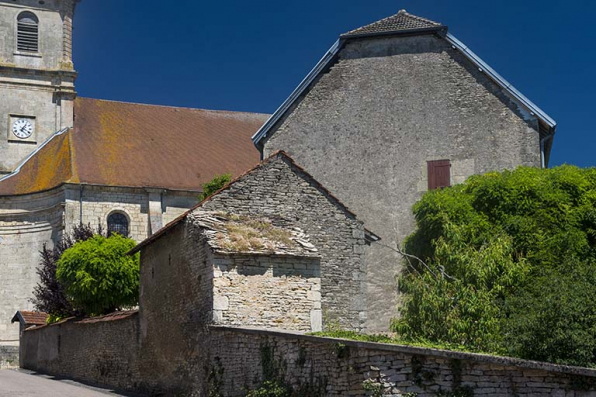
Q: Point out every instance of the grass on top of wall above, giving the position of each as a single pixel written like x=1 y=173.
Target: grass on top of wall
x=379 y=338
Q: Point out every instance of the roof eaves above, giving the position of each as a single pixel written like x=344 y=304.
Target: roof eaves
x=497 y=78
x=303 y=86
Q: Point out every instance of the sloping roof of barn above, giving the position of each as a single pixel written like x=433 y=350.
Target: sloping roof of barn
x=238 y=234
x=136 y=145
x=277 y=156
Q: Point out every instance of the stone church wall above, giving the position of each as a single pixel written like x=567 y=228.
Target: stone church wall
x=284 y=194
x=26 y=223
x=100 y=201
x=368 y=126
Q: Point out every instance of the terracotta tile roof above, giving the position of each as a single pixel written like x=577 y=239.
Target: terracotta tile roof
x=50 y=167
x=400 y=22
x=135 y=145
x=108 y=317
x=115 y=316
x=126 y=144
x=30 y=318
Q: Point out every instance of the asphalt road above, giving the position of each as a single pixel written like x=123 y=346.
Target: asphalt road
x=24 y=383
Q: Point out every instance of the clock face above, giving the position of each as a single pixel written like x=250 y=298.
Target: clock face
x=22 y=128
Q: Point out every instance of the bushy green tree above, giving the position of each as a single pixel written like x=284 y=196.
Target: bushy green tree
x=48 y=294
x=507 y=264
x=214 y=185
x=98 y=276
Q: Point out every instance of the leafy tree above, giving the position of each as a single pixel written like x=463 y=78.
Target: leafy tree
x=98 y=276
x=48 y=294
x=214 y=185
x=507 y=265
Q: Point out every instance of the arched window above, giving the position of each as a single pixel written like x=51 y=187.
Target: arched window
x=118 y=223
x=27 y=32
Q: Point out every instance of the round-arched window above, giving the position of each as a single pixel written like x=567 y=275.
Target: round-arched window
x=27 y=32
x=118 y=223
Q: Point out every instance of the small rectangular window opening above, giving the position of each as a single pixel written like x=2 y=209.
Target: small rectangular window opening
x=439 y=174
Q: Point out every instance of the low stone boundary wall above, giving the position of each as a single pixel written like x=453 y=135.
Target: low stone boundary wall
x=317 y=366
x=110 y=351
x=100 y=350
x=9 y=356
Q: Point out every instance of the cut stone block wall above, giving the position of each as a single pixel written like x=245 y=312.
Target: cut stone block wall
x=268 y=292
x=29 y=221
x=9 y=356
x=26 y=224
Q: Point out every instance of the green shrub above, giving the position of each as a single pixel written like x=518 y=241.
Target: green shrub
x=270 y=388
x=98 y=275
x=507 y=264
x=214 y=185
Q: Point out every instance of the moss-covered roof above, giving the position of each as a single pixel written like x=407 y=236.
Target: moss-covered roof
x=136 y=145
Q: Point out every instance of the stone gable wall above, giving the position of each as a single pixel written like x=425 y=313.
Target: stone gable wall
x=267 y=292
x=279 y=191
x=369 y=124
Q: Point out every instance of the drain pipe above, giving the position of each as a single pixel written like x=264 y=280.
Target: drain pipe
x=542 y=148
x=81 y=204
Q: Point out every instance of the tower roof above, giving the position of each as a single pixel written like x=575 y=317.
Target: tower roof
x=398 y=23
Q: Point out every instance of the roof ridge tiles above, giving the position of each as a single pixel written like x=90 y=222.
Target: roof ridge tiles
x=171 y=106
x=403 y=21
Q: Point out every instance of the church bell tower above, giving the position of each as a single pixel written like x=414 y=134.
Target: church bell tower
x=36 y=75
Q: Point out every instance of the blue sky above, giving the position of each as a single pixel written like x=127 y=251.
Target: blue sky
x=249 y=55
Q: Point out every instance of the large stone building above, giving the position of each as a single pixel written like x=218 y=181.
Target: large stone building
x=393 y=109
x=67 y=160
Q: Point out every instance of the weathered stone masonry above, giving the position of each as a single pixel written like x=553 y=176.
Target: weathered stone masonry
x=282 y=191
x=333 y=367
x=235 y=359
x=189 y=284
x=368 y=125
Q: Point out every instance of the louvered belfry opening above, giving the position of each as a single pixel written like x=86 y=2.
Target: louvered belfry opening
x=27 y=32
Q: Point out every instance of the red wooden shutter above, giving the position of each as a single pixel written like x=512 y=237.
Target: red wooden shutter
x=439 y=174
